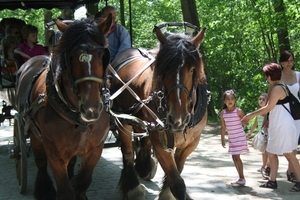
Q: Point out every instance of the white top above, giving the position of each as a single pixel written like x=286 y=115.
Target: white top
x=295 y=90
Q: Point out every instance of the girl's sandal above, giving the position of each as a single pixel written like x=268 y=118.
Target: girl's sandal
x=269 y=184
x=291 y=177
x=266 y=173
x=296 y=187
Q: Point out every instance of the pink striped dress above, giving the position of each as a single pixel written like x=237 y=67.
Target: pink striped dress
x=236 y=134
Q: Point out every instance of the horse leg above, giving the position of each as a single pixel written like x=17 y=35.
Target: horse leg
x=71 y=167
x=129 y=185
x=83 y=179
x=59 y=166
x=171 y=186
x=145 y=164
x=44 y=189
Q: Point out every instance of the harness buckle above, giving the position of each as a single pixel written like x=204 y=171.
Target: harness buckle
x=160 y=95
x=106 y=98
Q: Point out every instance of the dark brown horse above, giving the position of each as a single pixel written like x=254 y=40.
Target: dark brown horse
x=165 y=99
x=60 y=99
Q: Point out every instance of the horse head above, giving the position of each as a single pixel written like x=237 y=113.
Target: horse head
x=180 y=69
x=79 y=63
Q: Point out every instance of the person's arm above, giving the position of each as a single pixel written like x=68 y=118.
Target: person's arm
x=24 y=55
x=125 y=41
x=254 y=125
x=241 y=113
x=277 y=93
x=223 y=129
x=298 y=76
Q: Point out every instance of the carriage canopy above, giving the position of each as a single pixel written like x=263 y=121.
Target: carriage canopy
x=48 y=4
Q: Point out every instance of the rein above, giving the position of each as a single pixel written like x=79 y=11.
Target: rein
x=165 y=135
x=144 y=125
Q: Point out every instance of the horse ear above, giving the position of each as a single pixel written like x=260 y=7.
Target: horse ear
x=60 y=25
x=105 y=24
x=197 y=40
x=159 y=35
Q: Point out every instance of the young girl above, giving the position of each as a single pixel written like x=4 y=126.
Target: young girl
x=30 y=47
x=231 y=122
x=258 y=122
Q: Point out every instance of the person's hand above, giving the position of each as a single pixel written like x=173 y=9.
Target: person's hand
x=223 y=144
x=249 y=135
x=245 y=120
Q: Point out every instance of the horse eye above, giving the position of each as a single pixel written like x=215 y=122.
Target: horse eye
x=193 y=70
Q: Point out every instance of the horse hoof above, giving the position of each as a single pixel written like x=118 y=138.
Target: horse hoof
x=154 y=163
x=137 y=193
x=166 y=194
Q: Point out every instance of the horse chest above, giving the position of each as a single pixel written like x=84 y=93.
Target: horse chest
x=182 y=140
x=87 y=139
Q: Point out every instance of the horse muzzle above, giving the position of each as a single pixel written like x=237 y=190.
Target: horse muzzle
x=178 y=124
x=91 y=113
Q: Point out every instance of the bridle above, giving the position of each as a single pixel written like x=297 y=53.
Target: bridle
x=164 y=98
x=85 y=57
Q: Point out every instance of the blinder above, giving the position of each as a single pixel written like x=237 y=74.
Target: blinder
x=106 y=58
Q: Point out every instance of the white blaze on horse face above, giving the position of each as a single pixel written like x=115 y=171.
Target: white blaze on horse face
x=178 y=82
x=84 y=57
x=178 y=89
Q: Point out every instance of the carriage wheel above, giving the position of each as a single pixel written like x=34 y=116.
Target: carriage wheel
x=20 y=154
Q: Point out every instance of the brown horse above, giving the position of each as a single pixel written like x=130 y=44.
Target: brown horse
x=60 y=99
x=165 y=99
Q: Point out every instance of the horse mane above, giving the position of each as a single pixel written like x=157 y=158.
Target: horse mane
x=177 y=50
x=80 y=32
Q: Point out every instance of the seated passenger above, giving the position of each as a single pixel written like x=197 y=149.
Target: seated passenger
x=118 y=37
x=30 y=47
x=9 y=63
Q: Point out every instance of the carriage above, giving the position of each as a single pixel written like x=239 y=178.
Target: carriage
x=162 y=119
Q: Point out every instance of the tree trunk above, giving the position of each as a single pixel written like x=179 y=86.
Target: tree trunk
x=281 y=26
x=189 y=12
x=67 y=13
x=47 y=18
x=121 y=11
x=92 y=8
